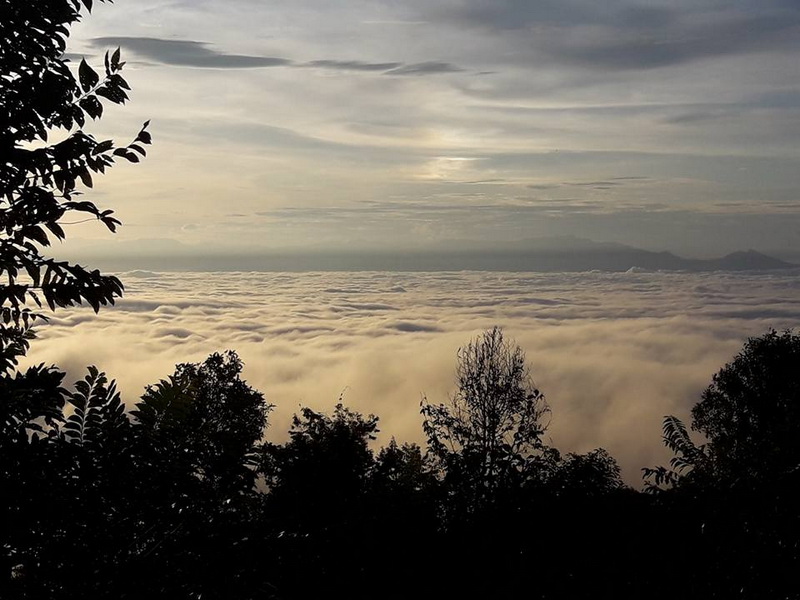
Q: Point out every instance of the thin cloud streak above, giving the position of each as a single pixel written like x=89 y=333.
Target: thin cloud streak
x=191 y=53
x=188 y=53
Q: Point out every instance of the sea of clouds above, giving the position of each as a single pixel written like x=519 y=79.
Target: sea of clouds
x=612 y=352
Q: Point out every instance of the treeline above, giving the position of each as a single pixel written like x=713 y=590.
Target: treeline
x=182 y=498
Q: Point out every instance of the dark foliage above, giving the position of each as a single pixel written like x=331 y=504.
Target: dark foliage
x=737 y=494
x=164 y=503
x=323 y=468
x=46 y=156
x=105 y=506
x=487 y=438
x=751 y=412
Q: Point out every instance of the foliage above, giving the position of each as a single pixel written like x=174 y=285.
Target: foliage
x=170 y=492
x=751 y=411
x=64 y=449
x=325 y=464
x=402 y=468
x=318 y=504
x=732 y=501
x=32 y=404
x=688 y=458
x=98 y=412
x=206 y=417
x=47 y=154
x=592 y=474
x=750 y=415
x=489 y=432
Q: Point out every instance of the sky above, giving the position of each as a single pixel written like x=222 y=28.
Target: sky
x=384 y=125
x=612 y=352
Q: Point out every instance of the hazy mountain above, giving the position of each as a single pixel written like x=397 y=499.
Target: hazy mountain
x=544 y=254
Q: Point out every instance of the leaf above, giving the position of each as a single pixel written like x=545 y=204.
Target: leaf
x=34 y=272
x=118 y=82
x=55 y=229
x=115 y=95
x=103 y=146
x=86 y=177
x=88 y=77
x=138 y=149
x=37 y=234
x=92 y=106
x=144 y=137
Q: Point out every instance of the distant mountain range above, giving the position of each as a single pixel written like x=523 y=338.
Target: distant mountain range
x=543 y=255
x=617 y=258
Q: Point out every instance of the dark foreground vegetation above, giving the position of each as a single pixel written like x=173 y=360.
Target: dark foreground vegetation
x=181 y=497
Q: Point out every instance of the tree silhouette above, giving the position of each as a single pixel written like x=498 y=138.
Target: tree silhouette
x=42 y=99
x=487 y=435
x=734 y=498
x=750 y=415
x=317 y=506
x=751 y=411
x=75 y=459
x=206 y=418
x=323 y=468
x=169 y=493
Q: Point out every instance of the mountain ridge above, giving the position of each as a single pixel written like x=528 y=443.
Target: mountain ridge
x=542 y=255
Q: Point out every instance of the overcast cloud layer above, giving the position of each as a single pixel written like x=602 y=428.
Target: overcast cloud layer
x=613 y=353
x=667 y=125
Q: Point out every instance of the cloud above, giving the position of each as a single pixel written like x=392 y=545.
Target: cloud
x=613 y=353
x=352 y=65
x=633 y=50
x=190 y=53
x=425 y=68
x=409 y=327
x=621 y=36
x=187 y=53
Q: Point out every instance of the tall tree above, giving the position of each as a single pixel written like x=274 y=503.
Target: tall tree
x=47 y=155
x=205 y=420
x=325 y=465
x=489 y=432
x=750 y=416
x=317 y=505
x=736 y=495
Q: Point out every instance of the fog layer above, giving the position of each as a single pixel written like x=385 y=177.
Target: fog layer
x=613 y=353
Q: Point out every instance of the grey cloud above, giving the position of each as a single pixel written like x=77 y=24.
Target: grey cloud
x=609 y=183
x=188 y=53
x=699 y=117
x=352 y=65
x=521 y=14
x=369 y=306
x=425 y=68
x=622 y=36
x=622 y=50
x=593 y=183
x=781 y=99
x=409 y=327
